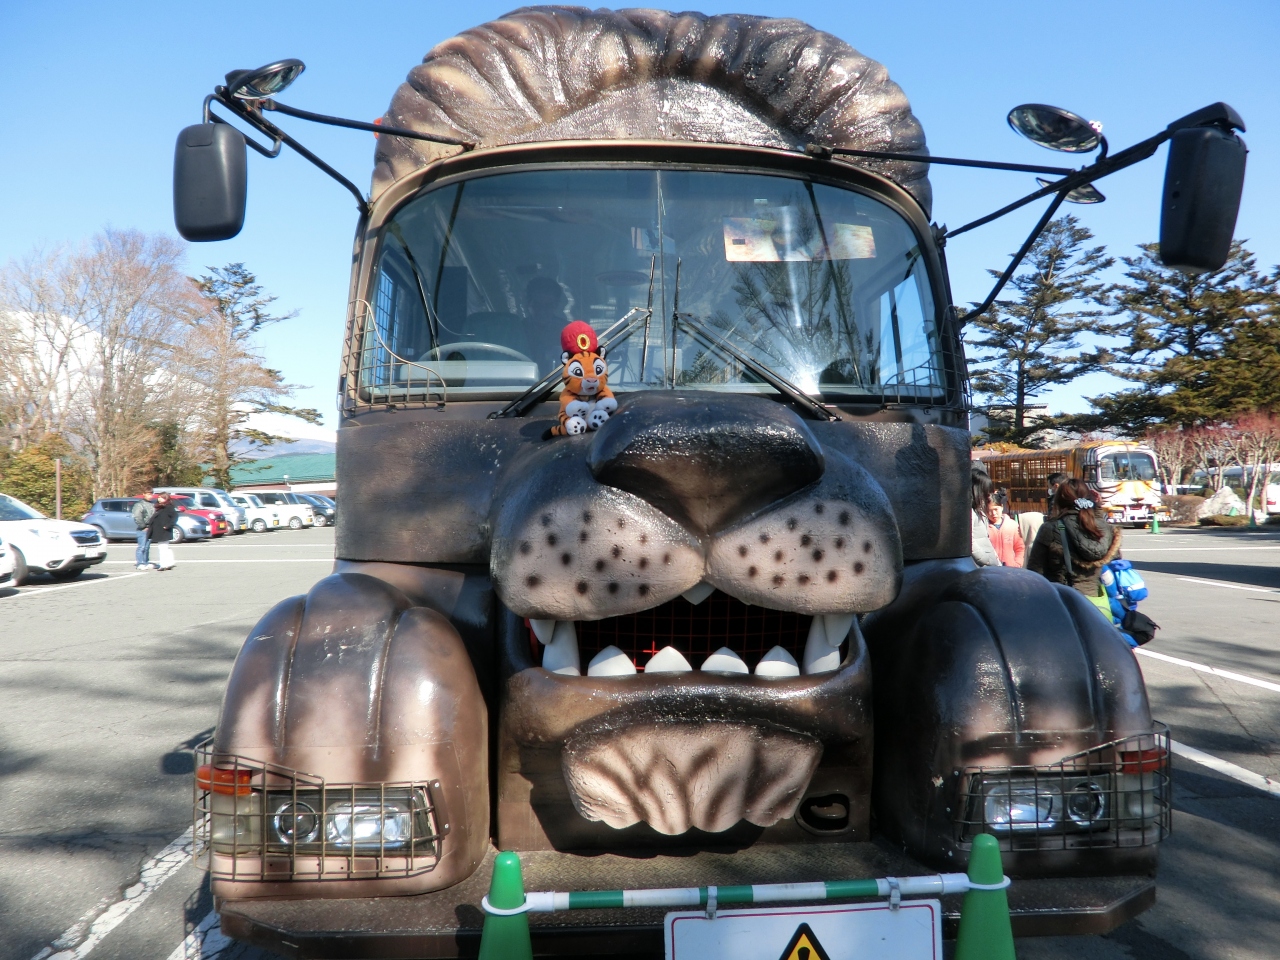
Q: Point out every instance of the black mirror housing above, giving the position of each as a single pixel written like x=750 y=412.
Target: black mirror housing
x=210 y=182
x=1203 y=182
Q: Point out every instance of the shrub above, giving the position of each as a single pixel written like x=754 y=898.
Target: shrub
x=1224 y=520
x=1182 y=507
x=28 y=475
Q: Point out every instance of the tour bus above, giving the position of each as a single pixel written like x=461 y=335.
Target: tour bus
x=1125 y=476
x=630 y=638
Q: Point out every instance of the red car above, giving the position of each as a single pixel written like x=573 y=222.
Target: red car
x=218 y=525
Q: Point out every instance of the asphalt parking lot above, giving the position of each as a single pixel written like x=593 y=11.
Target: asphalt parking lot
x=109 y=681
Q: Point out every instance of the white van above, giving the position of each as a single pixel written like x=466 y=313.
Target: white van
x=293 y=509
x=261 y=518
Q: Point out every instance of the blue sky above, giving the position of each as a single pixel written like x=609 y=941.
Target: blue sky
x=92 y=96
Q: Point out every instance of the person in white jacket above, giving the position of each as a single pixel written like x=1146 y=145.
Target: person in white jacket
x=984 y=554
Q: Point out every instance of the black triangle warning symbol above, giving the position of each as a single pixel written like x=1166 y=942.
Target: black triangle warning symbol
x=804 y=946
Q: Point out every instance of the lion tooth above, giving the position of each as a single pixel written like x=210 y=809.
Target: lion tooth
x=696 y=594
x=610 y=662
x=776 y=664
x=667 y=660
x=820 y=656
x=543 y=629
x=836 y=626
x=724 y=660
x=561 y=654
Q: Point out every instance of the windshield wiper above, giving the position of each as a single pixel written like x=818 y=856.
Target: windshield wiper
x=785 y=387
x=522 y=404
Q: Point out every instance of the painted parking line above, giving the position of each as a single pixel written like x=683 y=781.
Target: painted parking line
x=1227 y=768
x=183 y=561
x=1205 y=668
x=81 y=937
x=40 y=591
x=1250 y=547
x=1224 y=583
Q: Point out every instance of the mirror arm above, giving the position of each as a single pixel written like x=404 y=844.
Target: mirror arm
x=211 y=117
x=1017 y=258
x=259 y=123
x=1216 y=114
x=377 y=128
x=1095 y=171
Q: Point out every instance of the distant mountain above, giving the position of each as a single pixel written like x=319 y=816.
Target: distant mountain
x=280 y=449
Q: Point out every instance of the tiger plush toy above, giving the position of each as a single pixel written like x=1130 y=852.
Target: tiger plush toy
x=586 y=401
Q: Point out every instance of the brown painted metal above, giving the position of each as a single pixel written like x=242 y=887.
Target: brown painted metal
x=413 y=661
x=425 y=490
x=354 y=684
x=569 y=73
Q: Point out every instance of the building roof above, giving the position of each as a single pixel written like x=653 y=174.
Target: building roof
x=298 y=467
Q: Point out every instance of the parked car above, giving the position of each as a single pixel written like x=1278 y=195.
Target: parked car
x=261 y=518
x=213 y=498
x=326 y=510
x=293 y=509
x=113 y=520
x=63 y=549
x=218 y=525
x=6 y=565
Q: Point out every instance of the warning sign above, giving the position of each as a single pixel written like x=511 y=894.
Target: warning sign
x=828 y=931
x=804 y=946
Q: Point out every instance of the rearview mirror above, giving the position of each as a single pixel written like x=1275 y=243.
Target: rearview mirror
x=210 y=182
x=1202 y=185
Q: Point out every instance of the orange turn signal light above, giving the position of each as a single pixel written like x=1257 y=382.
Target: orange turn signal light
x=1142 y=761
x=233 y=782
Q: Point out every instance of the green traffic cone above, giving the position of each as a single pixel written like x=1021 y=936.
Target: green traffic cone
x=985 y=933
x=506 y=937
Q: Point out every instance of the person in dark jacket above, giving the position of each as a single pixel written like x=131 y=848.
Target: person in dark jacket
x=161 y=530
x=1090 y=541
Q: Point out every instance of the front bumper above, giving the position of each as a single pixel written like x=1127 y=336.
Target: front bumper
x=447 y=923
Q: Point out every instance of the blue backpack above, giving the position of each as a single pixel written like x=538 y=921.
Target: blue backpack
x=1129 y=583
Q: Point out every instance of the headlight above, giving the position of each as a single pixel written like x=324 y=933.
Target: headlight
x=389 y=823
x=1009 y=806
x=394 y=820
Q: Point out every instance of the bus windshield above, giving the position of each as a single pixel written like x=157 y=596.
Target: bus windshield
x=1127 y=465
x=822 y=285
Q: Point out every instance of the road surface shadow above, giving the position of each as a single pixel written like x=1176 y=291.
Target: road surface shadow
x=1245 y=575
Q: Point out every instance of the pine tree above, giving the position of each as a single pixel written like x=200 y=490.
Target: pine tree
x=1201 y=348
x=1032 y=342
x=234 y=383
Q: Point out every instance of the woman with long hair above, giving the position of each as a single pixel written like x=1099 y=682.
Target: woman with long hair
x=984 y=554
x=1075 y=543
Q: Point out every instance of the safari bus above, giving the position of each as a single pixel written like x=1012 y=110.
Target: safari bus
x=1124 y=474
x=653 y=432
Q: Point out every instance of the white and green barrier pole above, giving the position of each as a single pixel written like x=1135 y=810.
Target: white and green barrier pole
x=985 y=933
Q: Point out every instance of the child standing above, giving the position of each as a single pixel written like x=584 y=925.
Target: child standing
x=1005 y=536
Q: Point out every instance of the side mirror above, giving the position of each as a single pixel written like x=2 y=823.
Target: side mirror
x=210 y=182
x=1202 y=185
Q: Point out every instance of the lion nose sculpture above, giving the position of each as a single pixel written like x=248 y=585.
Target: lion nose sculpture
x=704 y=459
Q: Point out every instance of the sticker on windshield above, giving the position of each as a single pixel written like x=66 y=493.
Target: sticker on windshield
x=774 y=240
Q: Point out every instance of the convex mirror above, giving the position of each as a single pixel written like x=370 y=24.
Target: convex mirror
x=1203 y=181
x=265 y=81
x=210 y=182
x=1055 y=128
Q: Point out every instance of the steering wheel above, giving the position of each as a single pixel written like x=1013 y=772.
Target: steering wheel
x=436 y=354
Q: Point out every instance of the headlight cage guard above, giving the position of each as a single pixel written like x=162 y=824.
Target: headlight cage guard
x=239 y=805
x=1130 y=781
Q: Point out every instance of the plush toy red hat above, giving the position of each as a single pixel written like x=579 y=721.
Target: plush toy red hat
x=577 y=337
